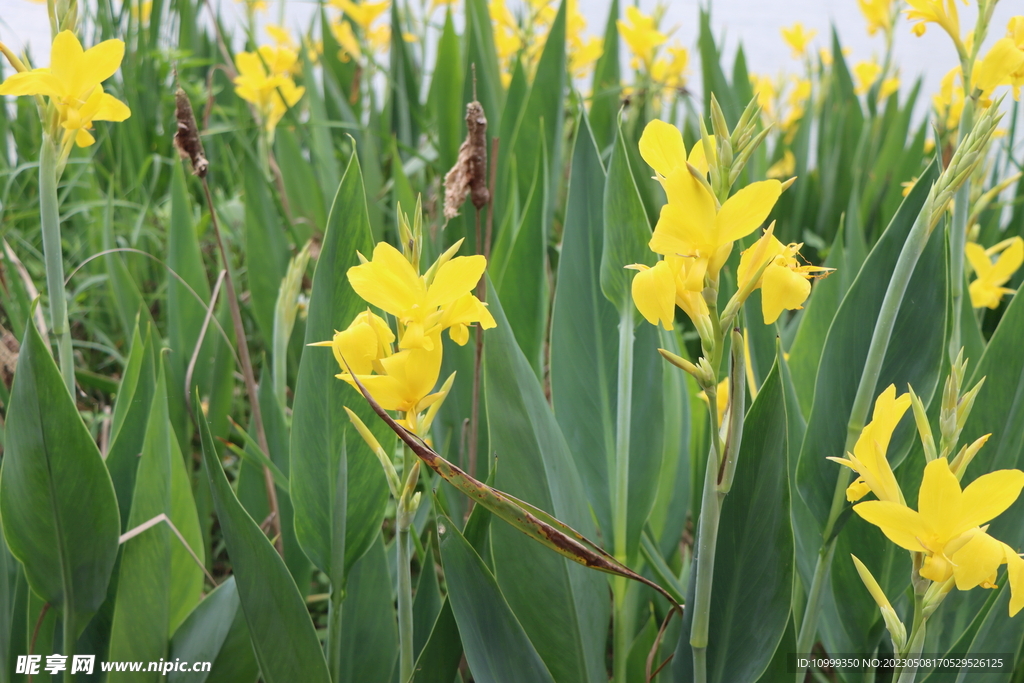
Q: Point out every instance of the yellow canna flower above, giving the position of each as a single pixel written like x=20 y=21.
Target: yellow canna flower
x=940 y=12
x=363 y=14
x=691 y=224
x=583 y=55
x=1015 y=31
x=671 y=72
x=347 y=41
x=869 y=453
x=784 y=167
x=282 y=37
x=272 y=94
x=798 y=38
x=878 y=14
x=658 y=290
x=947 y=529
x=764 y=88
x=866 y=74
x=399 y=381
x=424 y=305
x=999 y=67
x=72 y=85
x=987 y=290
x=254 y=5
x=784 y=283
x=640 y=31
x=379 y=37
x=949 y=101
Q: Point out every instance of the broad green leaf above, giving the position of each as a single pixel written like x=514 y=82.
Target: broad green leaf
x=335 y=529
x=57 y=502
x=713 y=77
x=439 y=659
x=266 y=250
x=142 y=613
x=305 y=201
x=446 y=95
x=369 y=626
x=524 y=287
x=605 y=105
x=821 y=306
x=562 y=606
x=914 y=354
x=252 y=490
x=283 y=636
x=186 y=585
x=403 y=90
x=626 y=230
x=498 y=649
x=584 y=366
x=753 y=576
x=539 y=127
x=427 y=604
x=215 y=632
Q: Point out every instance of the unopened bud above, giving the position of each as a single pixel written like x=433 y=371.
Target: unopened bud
x=896 y=629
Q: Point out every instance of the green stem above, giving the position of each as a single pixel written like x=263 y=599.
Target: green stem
x=404 y=589
x=916 y=644
x=404 y=607
x=707 y=542
x=710 y=507
x=809 y=624
x=49 y=214
x=334 y=634
x=620 y=491
x=958 y=238
x=909 y=255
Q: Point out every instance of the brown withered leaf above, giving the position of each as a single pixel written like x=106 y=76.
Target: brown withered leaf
x=532 y=521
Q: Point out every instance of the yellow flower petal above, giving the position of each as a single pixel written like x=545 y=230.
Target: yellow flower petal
x=454 y=279
x=98 y=63
x=899 y=523
x=1015 y=573
x=388 y=282
x=654 y=293
x=111 y=109
x=662 y=147
x=687 y=219
x=990 y=495
x=939 y=500
x=35 y=82
x=782 y=289
x=978 y=561
x=742 y=213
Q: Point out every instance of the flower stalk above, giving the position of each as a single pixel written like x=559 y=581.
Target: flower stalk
x=623 y=632
x=53 y=256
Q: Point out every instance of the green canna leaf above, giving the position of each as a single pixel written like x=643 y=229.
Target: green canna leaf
x=215 y=632
x=283 y=636
x=57 y=502
x=626 y=230
x=337 y=516
x=750 y=600
x=498 y=648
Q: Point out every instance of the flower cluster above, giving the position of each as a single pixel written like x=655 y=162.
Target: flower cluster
x=644 y=39
x=361 y=17
x=947 y=534
x=265 y=81
x=987 y=289
x=400 y=368
x=526 y=37
x=695 y=235
x=72 y=85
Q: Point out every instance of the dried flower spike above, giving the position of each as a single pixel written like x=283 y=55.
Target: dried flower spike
x=186 y=137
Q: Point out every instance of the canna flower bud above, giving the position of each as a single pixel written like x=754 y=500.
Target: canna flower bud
x=896 y=629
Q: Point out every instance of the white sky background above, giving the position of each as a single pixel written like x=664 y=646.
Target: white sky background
x=755 y=23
